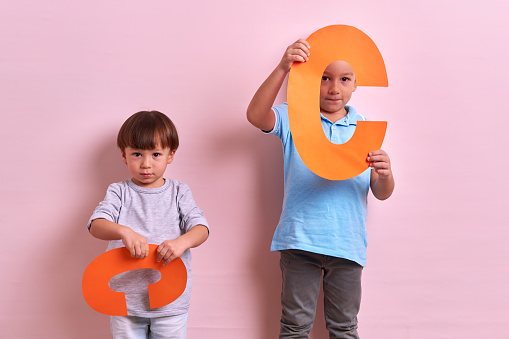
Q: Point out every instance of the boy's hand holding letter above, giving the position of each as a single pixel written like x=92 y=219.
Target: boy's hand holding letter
x=380 y=162
x=296 y=52
x=135 y=243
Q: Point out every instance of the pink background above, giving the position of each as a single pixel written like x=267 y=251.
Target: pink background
x=72 y=72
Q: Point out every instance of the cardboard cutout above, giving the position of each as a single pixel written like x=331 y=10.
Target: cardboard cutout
x=101 y=298
x=322 y=157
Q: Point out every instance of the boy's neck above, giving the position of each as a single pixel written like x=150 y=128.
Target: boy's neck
x=335 y=116
x=156 y=184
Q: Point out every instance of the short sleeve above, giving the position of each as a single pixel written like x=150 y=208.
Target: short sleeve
x=282 y=126
x=190 y=214
x=109 y=208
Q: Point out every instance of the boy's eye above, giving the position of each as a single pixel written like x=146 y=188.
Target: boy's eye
x=345 y=79
x=137 y=154
x=324 y=78
x=157 y=155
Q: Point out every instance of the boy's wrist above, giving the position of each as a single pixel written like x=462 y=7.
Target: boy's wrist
x=386 y=177
x=123 y=231
x=183 y=242
x=282 y=69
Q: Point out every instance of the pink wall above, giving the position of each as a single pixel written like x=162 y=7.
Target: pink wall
x=71 y=73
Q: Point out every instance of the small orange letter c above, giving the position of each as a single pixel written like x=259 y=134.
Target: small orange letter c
x=101 y=298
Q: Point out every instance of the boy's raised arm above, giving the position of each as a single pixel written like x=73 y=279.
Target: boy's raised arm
x=259 y=110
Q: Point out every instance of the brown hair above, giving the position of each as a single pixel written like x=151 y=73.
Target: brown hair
x=146 y=130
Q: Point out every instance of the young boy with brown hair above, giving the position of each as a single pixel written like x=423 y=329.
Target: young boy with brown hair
x=149 y=209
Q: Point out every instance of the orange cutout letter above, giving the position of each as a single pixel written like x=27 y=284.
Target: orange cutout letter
x=322 y=157
x=101 y=298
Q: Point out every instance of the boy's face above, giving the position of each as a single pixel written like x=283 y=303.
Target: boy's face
x=147 y=166
x=338 y=84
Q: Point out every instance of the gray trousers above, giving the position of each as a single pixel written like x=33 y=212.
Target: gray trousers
x=302 y=275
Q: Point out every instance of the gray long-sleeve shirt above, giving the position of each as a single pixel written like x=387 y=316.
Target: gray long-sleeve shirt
x=158 y=214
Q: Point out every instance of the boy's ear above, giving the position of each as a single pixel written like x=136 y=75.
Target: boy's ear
x=123 y=157
x=354 y=85
x=170 y=157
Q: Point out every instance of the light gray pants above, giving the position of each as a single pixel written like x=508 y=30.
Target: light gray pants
x=130 y=327
x=302 y=275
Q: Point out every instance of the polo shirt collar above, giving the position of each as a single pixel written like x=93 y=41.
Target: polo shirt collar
x=349 y=119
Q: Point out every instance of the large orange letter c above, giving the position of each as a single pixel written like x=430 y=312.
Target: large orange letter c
x=328 y=160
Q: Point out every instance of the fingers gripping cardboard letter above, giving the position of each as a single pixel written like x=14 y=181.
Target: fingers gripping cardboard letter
x=101 y=298
x=328 y=160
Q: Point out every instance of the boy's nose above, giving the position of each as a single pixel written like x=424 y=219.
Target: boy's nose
x=145 y=163
x=334 y=87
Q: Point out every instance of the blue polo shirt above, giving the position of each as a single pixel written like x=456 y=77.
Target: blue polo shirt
x=319 y=215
